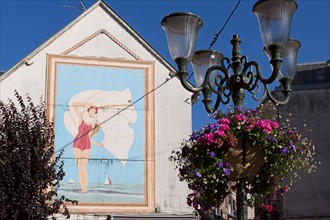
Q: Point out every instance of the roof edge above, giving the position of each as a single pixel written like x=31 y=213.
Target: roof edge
x=49 y=41
x=140 y=39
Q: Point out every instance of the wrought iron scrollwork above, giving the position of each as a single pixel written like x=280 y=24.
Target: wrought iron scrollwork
x=246 y=76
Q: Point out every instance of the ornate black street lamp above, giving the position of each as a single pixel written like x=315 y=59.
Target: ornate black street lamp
x=229 y=79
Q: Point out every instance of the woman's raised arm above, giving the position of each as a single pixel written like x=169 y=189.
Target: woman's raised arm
x=76 y=105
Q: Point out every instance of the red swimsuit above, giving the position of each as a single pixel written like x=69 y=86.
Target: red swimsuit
x=82 y=140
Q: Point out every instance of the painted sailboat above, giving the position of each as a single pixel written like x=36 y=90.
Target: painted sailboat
x=107 y=181
x=71 y=181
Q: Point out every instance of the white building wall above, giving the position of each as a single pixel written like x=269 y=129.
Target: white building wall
x=172 y=114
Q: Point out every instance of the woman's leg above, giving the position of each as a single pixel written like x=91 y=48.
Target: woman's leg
x=78 y=157
x=83 y=166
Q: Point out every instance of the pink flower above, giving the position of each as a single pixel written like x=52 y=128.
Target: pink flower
x=267 y=130
x=269 y=208
x=284 y=189
x=209 y=137
x=225 y=127
x=221 y=133
x=274 y=124
x=223 y=121
x=239 y=117
x=261 y=123
x=265 y=125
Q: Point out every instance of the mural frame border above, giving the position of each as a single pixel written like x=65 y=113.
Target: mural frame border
x=148 y=67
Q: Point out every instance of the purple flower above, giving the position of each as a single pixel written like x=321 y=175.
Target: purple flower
x=239 y=108
x=198 y=174
x=212 y=154
x=272 y=139
x=292 y=133
x=194 y=136
x=285 y=151
x=292 y=146
x=212 y=127
x=261 y=205
x=220 y=164
x=226 y=171
x=228 y=165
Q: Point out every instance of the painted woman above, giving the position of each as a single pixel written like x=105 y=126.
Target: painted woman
x=87 y=127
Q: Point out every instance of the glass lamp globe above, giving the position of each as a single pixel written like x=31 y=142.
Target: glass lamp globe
x=275 y=18
x=181 y=30
x=202 y=61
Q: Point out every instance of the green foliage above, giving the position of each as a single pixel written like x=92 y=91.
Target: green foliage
x=210 y=158
x=30 y=174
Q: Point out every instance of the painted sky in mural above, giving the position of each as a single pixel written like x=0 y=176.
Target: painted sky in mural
x=115 y=164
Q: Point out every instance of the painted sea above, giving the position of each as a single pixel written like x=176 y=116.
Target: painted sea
x=102 y=193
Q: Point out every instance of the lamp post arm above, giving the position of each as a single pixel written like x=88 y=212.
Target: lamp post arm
x=275 y=52
x=183 y=74
x=216 y=85
x=256 y=92
x=286 y=92
x=276 y=70
x=285 y=82
x=249 y=78
x=187 y=85
x=207 y=100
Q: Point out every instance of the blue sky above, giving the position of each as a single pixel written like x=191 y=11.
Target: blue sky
x=25 y=25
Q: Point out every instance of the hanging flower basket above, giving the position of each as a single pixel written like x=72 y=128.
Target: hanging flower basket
x=254 y=158
x=213 y=156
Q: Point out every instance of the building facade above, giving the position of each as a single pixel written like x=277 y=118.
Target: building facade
x=97 y=71
x=309 y=107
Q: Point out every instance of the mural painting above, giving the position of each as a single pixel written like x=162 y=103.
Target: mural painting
x=104 y=125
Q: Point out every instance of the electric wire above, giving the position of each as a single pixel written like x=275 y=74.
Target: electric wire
x=216 y=36
x=167 y=80
x=225 y=24
x=121 y=110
